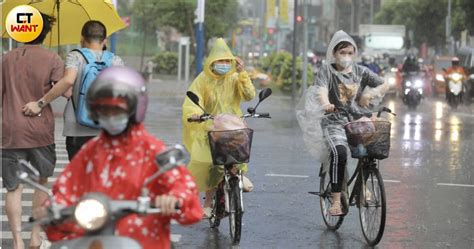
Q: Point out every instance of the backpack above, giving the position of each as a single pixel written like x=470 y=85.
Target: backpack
x=91 y=70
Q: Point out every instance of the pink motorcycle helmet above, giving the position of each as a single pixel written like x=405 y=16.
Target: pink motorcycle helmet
x=116 y=85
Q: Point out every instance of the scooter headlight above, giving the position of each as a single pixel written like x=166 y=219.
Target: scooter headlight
x=439 y=77
x=91 y=213
x=391 y=81
x=418 y=83
x=456 y=76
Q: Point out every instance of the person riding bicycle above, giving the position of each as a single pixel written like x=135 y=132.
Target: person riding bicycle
x=118 y=161
x=221 y=87
x=341 y=83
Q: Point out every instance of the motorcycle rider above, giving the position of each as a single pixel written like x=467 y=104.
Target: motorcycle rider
x=454 y=68
x=411 y=64
x=119 y=159
x=368 y=61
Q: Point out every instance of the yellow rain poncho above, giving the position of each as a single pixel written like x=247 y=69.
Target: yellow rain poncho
x=217 y=94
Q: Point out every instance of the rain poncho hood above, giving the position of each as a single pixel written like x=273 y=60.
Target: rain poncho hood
x=338 y=37
x=220 y=51
x=217 y=94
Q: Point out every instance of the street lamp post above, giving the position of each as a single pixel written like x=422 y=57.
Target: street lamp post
x=200 y=35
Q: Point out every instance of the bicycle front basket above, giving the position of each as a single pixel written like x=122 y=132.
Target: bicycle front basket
x=230 y=147
x=369 y=139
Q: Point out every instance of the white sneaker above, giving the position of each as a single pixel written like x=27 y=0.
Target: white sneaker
x=207 y=213
x=247 y=184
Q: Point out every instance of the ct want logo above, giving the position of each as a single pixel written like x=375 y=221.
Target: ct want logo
x=24 y=23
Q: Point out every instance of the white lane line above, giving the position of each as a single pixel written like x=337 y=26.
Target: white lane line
x=50 y=179
x=175 y=238
x=23 y=203
x=282 y=175
x=24 y=218
x=62 y=161
x=455 y=185
x=25 y=191
x=58 y=170
x=393 y=181
x=24 y=235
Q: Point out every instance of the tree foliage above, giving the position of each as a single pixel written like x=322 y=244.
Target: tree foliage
x=427 y=18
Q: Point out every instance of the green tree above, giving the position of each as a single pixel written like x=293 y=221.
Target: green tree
x=144 y=11
x=427 y=18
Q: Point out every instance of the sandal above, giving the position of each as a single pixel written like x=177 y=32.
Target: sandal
x=335 y=209
x=207 y=213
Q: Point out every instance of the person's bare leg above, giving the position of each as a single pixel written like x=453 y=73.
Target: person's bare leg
x=39 y=197
x=208 y=198
x=336 y=208
x=13 y=210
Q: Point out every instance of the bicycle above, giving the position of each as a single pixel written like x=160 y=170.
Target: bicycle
x=368 y=192
x=229 y=148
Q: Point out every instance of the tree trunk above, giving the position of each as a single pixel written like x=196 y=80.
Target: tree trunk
x=191 y=30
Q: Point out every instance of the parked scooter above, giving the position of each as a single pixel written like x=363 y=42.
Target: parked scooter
x=96 y=213
x=413 y=85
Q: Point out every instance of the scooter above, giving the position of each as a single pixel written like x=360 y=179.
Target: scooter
x=96 y=213
x=455 y=89
x=413 y=85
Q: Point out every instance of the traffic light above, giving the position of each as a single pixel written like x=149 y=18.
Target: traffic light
x=299 y=18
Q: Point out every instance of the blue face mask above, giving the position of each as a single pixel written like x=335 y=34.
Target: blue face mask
x=221 y=68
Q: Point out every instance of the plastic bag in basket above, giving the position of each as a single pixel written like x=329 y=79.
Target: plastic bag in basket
x=227 y=122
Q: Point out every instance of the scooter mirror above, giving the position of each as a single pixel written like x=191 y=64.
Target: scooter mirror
x=27 y=171
x=193 y=97
x=172 y=157
x=264 y=94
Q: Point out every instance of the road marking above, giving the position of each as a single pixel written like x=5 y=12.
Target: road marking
x=282 y=175
x=393 y=181
x=50 y=179
x=62 y=162
x=175 y=238
x=24 y=218
x=455 y=185
x=24 y=235
x=23 y=203
x=25 y=191
x=60 y=170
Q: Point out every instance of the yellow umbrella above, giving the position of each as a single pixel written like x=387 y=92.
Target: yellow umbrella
x=70 y=17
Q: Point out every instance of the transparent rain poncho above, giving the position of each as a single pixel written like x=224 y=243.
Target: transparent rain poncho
x=322 y=132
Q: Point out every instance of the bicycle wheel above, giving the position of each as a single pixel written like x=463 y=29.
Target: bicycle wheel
x=325 y=200
x=372 y=211
x=218 y=208
x=235 y=211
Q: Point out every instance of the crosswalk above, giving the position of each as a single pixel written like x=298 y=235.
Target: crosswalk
x=61 y=162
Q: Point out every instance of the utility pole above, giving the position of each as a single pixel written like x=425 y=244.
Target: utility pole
x=200 y=34
x=305 y=44
x=448 y=28
x=293 y=76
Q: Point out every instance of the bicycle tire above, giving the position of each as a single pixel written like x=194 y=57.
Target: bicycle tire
x=325 y=200
x=235 y=211
x=218 y=208
x=372 y=204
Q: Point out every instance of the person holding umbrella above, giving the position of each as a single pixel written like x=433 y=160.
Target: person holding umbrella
x=94 y=35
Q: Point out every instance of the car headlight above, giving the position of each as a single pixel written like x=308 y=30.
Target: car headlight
x=391 y=81
x=418 y=83
x=439 y=77
x=408 y=83
x=455 y=76
x=91 y=213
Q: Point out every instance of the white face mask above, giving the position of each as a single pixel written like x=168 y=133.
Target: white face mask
x=344 y=61
x=114 y=125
